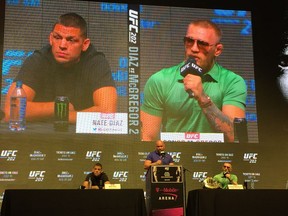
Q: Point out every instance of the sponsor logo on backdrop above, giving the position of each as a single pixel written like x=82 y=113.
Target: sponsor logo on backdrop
x=143 y=156
x=121 y=176
x=9 y=155
x=250 y=157
x=120 y=156
x=199 y=158
x=65 y=176
x=167 y=193
x=93 y=155
x=37 y=155
x=65 y=155
x=143 y=177
x=224 y=157
x=86 y=173
x=249 y=177
x=199 y=176
x=2 y=196
x=8 y=176
x=176 y=156
x=37 y=175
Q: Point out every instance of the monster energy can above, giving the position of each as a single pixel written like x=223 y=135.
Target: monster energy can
x=61 y=113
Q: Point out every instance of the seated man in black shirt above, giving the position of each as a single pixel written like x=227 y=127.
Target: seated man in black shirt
x=69 y=66
x=97 y=178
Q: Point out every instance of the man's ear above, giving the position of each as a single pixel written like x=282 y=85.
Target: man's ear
x=86 y=44
x=219 y=49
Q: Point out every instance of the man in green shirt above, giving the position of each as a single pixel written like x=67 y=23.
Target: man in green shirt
x=219 y=95
x=226 y=177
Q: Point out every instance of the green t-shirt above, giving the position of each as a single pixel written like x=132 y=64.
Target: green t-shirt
x=225 y=181
x=165 y=96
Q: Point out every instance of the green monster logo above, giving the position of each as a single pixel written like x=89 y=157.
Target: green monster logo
x=62 y=110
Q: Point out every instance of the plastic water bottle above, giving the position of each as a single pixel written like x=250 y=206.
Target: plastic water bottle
x=18 y=101
x=90 y=183
x=252 y=185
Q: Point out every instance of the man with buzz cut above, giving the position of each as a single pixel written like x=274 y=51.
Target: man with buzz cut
x=68 y=66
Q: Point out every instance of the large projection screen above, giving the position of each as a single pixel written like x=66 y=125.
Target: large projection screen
x=160 y=45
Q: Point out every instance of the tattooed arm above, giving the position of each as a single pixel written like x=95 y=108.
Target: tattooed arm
x=221 y=120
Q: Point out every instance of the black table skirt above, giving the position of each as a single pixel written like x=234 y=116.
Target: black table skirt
x=73 y=202
x=259 y=202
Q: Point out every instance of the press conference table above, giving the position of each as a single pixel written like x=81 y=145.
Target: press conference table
x=217 y=202
x=56 y=202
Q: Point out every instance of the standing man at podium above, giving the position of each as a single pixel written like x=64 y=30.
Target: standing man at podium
x=158 y=157
x=155 y=158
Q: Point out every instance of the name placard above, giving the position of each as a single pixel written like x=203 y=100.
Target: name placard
x=112 y=186
x=235 y=187
x=101 y=123
x=192 y=137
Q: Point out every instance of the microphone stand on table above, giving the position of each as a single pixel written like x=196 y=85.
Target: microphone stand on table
x=184 y=187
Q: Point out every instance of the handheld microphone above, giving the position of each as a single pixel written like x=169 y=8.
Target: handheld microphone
x=162 y=154
x=190 y=67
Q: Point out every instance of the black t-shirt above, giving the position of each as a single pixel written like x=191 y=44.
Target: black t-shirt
x=97 y=180
x=49 y=79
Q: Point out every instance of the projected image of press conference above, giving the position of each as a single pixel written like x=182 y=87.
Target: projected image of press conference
x=187 y=93
x=207 y=95
x=69 y=75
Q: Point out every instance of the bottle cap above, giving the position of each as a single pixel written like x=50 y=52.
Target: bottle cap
x=19 y=83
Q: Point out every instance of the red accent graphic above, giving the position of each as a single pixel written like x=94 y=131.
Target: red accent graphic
x=107 y=115
x=195 y=136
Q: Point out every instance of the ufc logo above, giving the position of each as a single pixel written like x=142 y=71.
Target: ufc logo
x=93 y=153
x=36 y=174
x=9 y=153
x=192 y=136
x=175 y=154
x=133 y=18
x=120 y=174
x=200 y=175
x=249 y=156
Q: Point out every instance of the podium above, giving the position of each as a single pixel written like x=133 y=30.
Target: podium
x=165 y=190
